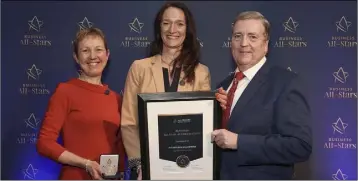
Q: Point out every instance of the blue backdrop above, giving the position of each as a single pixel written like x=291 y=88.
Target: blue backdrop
x=315 y=39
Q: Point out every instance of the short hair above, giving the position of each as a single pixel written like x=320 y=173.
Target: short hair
x=83 y=33
x=248 y=15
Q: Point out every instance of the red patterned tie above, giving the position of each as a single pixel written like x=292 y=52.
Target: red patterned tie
x=230 y=97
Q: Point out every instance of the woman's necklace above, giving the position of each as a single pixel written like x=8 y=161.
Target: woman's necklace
x=181 y=82
x=170 y=70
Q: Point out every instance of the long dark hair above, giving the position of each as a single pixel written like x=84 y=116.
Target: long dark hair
x=189 y=56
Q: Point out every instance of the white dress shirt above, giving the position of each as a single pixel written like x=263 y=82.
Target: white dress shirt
x=241 y=86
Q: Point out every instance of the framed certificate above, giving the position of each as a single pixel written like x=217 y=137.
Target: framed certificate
x=175 y=135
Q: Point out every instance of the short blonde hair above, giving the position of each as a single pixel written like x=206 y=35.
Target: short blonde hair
x=247 y=15
x=83 y=33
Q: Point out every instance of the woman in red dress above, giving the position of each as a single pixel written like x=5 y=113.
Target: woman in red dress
x=85 y=112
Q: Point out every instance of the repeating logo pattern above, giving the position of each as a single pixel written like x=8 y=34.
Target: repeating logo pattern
x=38 y=34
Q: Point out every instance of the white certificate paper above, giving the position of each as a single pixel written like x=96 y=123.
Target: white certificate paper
x=199 y=169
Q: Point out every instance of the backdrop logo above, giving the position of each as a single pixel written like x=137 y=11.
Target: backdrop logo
x=31 y=126
x=340 y=76
x=32 y=122
x=30 y=172
x=35 y=24
x=339 y=126
x=35 y=37
x=226 y=43
x=343 y=24
x=85 y=24
x=290 y=26
x=136 y=26
x=348 y=40
x=135 y=40
x=33 y=85
x=340 y=90
x=201 y=43
x=339 y=138
x=34 y=73
x=291 y=70
x=339 y=175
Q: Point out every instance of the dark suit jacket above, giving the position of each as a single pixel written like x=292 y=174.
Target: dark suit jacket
x=272 y=120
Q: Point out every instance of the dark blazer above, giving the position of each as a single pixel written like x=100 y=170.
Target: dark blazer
x=272 y=119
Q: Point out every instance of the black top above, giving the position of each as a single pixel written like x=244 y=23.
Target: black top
x=174 y=86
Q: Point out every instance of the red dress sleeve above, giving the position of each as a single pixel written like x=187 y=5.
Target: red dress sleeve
x=122 y=153
x=54 y=118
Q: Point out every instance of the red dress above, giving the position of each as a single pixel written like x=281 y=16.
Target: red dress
x=88 y=117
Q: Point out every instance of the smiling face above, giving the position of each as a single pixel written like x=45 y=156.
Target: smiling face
x=173 y=28
x=92 y=55
x=249 y=43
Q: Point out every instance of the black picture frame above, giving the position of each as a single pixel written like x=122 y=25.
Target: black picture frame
x=145 y=98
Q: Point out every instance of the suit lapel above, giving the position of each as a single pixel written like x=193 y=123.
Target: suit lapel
x=157 y=74
x=251 y=89
x=227 y=81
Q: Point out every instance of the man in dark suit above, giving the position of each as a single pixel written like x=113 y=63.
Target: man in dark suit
x=266 y=115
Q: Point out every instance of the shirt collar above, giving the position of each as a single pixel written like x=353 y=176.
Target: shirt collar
x=251 y=72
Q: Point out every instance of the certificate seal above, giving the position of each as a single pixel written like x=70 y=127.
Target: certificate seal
x=182 y=161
